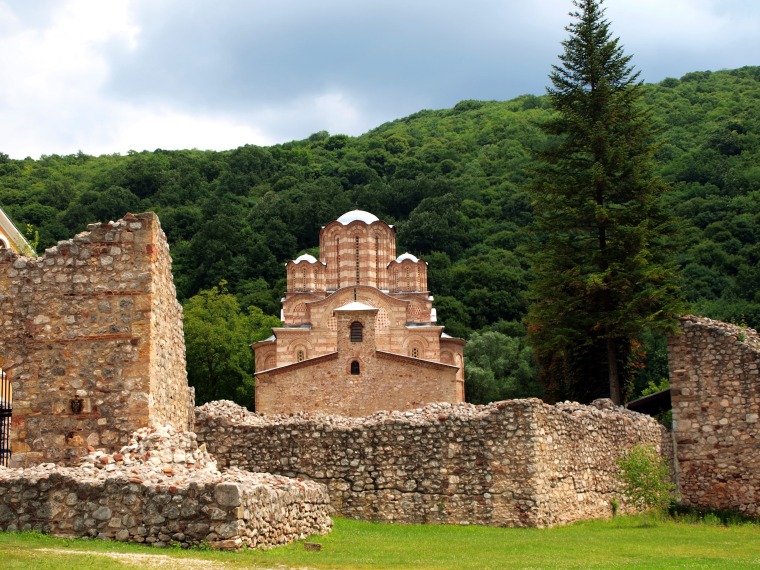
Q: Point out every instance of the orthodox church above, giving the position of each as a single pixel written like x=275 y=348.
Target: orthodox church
x=359 y=330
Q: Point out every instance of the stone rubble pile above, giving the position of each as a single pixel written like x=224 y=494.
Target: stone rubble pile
x=162 y=489
x=156 y=449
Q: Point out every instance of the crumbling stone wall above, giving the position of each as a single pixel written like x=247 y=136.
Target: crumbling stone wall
x=715 y=390
x=162 y=489
x=91 y=339
x=512 y=463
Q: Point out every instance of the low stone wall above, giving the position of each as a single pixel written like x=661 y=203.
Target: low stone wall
x=715 y=390
x=162 y=490
x=512 y=463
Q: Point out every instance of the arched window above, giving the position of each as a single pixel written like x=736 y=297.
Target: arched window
x=356 y=241
x=300 y=356
x=356 y=332
x=415 y=352
x=355 y=367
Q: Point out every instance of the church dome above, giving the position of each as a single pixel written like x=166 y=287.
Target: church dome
x=406 y=256
x=306 y=257
x=359 y=215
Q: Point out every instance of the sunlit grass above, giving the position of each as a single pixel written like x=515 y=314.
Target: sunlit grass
x=621 y=543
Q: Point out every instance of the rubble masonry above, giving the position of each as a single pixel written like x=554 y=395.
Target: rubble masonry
x=512 y=463
x=715 y=391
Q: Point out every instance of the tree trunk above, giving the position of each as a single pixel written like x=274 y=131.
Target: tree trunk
x=615 y=394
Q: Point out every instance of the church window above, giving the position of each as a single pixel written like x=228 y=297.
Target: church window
x=356 y=242
x=356 y=332
x=300 y=356
x=377 y=262
x=337 y=258
x=415 y=352
x=355 y=367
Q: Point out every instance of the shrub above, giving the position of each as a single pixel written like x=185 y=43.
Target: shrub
x=646 y=478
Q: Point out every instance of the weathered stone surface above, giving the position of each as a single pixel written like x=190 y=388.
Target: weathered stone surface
x=715 y=390
x=513 y=463
x=91 y=338
x=134 y=499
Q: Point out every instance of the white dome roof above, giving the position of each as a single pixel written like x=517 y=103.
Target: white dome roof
x=305 y=257
x=406 y=255
x=355 y=215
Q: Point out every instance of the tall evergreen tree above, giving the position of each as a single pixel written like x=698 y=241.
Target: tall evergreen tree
x=601 y=269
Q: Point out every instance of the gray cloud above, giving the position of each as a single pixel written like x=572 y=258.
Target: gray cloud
x=110 y=76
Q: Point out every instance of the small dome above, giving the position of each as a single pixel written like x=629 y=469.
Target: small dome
x=355 y=215
x=405 y=256
x=305 y=257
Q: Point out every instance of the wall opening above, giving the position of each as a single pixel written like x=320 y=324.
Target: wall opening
x=357 y=332
x=6 y=410
x=355 y=367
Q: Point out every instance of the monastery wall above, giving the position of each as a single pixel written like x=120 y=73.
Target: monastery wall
x=162 y=489
x=715 y=390
x=512 y=463
x=91 y=340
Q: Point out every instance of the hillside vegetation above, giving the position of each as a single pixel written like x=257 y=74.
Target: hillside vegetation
x=452 y=181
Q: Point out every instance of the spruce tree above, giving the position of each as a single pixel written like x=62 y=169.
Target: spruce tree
x=600 y=265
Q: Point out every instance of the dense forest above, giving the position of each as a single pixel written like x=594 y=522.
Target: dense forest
x=454 y=184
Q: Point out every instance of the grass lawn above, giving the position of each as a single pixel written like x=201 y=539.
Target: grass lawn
x=621 y=543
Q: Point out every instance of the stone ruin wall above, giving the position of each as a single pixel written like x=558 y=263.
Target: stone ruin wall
x=715 y=390
x=512 y=463
x=93 y=319
x=162 y=489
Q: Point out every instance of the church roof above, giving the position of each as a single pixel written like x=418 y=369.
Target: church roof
x=359 y=215
x=405 y=256
x=305 y=257
x=356 y=306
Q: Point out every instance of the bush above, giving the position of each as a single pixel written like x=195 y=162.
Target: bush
x=647 y=480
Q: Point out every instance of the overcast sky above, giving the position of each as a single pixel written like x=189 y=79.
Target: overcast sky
x=104 y=76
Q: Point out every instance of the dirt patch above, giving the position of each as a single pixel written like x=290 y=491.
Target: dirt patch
x=161 y=561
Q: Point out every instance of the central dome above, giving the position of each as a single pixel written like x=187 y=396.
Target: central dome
x=359 y=215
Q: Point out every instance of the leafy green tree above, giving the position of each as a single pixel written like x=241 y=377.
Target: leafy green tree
x=646 y=478
x=498 y=367
x=218 y=335
x=601 y=270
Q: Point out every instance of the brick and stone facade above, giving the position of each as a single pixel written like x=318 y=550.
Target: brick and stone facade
x=512 y=463
x=715 y=390
x=91 y=340
x=403 y=359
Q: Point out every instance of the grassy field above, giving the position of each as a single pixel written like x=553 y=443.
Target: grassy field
x=621 y=543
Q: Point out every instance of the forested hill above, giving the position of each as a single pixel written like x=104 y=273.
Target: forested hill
x=451 y=182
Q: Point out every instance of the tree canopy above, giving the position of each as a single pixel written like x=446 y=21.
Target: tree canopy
x=241 y=214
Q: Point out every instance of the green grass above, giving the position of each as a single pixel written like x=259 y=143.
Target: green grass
x=621 y=543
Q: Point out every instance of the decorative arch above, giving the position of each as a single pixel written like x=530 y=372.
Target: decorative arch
x=415 y=347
